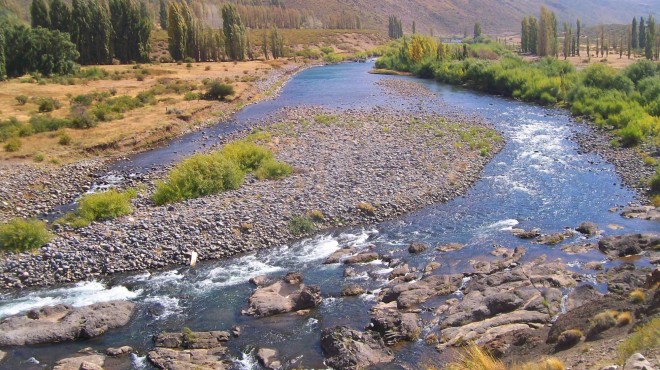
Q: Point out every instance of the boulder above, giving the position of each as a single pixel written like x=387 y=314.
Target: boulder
x=431 y=266
x=526 y=234
x=192 y=340
x=587 y=228
x=364 y=257
x=407 y=295
x=281 y=297
x=90 y=362
x=124 y=350
x=416 y=247
x=628 y=245
x=352 y=290
x=450 y=247
x=339 y=255
x=578 y=248
x=637 y=362
x=399 y=271
x=393 y=325
x=268 y=358
x=64 y=323
x=645 y=213
x=349 y=349
x=582 y=295
x=197 y=359
x=2 y=355
x=293 y=278
x=260 y=280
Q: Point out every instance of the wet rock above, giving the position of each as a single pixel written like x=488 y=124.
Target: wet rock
x=416 y=247
x=282 y=297
x=628 y=245
x=236 y=331
x=364 y=257
x=2 y=355
x=408 y=295
x=553 y=239
x=338 y=255
x=526 y=234
x=192 y=340
x=399 y=271
x=394 y=325
x=503 y=302
x=578 y=248
x=594 y=265
x=174 y=359
x=352 y=290
x=650 y=213
x=260 y=280
x=90 y=362
x=450 y=247
x=581 y=295
x=587 y=228
x=63 y=323
x=119 y=351
x=169 y=340
x=349 y=349
x=293 y=278
x=268 y=358
x=431 y=266
x=624 y=278
x=637 y=362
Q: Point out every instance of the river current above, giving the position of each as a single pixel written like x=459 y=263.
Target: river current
x=540 y=179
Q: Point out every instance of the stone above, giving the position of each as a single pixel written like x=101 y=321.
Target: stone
x=526 y=234
x=260 y=280
x=399 y=271
x=394 y=325
x=628 y=245
x=89 y=362
x=431 y=266
x=352 y=290
x=236 y=331
x=197 y=359
x=364 y=257
x=2 y=355
x=119 y=351
x=417 y=247
x=587 y=228
x=450 y=247
x=345 y=348
x=338 y=255
x=282 y=297
x=268 y=358
x=638 y=362
x=649 y=213
x=195 y=340
x=64 y=323
x=293 y=278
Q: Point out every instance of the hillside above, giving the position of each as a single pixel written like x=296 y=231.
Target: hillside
x=447 y=17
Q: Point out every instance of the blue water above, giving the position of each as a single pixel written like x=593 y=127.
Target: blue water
x=539 y=180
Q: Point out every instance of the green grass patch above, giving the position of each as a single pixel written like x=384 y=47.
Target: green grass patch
x=273 y=170
x=100 y=207
x=247 y=155
x=300 y=225
x=21 y=235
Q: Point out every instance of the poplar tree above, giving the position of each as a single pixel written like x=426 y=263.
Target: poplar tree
x=132 y=29
x=276 y=44
x=60 y=16
x=524 y=35
x=3 y=62
x=234 y=32
x=163 y=14
x=39 y=14
x=533 y=35
x=642 y=33
x=547 y=33
x=91 y=31
x=635 y=35
x=176 y=32
x=579 y=30
x=650 y=38
x=477 y=30
x=629 y=39
x=264 y=45
x=414 y=28
x=567 y=40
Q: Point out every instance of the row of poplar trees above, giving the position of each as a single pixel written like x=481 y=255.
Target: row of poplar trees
x=101 y=31
x=539 y=36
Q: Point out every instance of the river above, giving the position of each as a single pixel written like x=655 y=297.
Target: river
x=540 y=179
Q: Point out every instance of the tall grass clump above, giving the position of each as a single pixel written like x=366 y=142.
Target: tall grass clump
x=100 y=207
x=644 y=337
x=476 y=358
x=199 y=175
x=21 y=235
x=247 y=155
x=273 y=170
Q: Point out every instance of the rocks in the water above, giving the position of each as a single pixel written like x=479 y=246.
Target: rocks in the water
x=394 y=325
x=236 y=331
x=416 y=247
x=352 y=290
x=526 y=234
x=554 y=238
x=408 y=295
x=587 y=228
x=63 y=323
x=431 y=266
x=123 y=350
x=190 y=350
x=2 y=355
x=338 y=255
x=349 y=349
x=363 y=257
x=88 y=362
x=637 y=362
x=293 y=278
x=628 y=245
x=650 y=213
x=259 y=280
x=578 y=248
x=399 y=271
x=268 y=358
x=450 y=247
x=282 y=296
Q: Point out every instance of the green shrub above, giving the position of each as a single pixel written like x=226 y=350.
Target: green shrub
x=217 y=90
x=23 y=235
x=199 y=175
x=13 y=144
x=38 y=157
x=21 y=99
x=82 y=119
x=48 y=104
x=248 y=156
x=64 y=139
x=300 y=225
x=93 y=73
x=191 y=96
x=273 y=170
x=105 y=206
x=46 y=123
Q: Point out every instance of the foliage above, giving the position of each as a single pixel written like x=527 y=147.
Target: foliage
x=13 y=144
x=131 y=31
x=623 y=319
x=300 y=225
x=21 y=99
x=234 y=32
x=199 y=175
x=91 y=31
x=105 y=206
x=644 y=337
x=247 y=155
x=48 y=104
x=600 y=323
x=64 y=139
x=273 y=170
x=46 y=123
x=217 y=90
x=21 y=235
x=637 y=296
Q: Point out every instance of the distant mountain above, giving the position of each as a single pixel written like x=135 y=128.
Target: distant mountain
x=446 y=17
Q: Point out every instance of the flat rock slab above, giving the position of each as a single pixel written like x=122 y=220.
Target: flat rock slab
x=64 y=323
x=80 y=362
x=189 y=359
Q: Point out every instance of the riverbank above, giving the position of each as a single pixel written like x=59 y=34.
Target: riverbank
x=350 y=167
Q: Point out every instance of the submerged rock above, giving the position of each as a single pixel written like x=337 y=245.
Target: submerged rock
x=645 y=213
x=350 y=349
x=193 y=350
x=417 y=247
x=64 y=323
x=408 y=295
x=587 y=228
x=352 y=290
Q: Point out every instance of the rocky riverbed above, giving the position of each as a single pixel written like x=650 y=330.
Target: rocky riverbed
x=351 y=167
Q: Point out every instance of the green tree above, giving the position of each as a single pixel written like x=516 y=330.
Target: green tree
x=546 y=33
x=264 y=45
x=234 y=32
x=642 y=33
x=176 y=32
x=163 y=14
x=395 y=30
x=477 y=30
x=577 y=42
x=39 y=14
x=524 y=35
x=276 y=44
x=91 y=31
x=635 y=34
x=414 y=28
x=533 y=35
x=60 y=16
x=131 y=31
x=650 y=38
x=3 y=62
x=567 y=40
x=40 y=50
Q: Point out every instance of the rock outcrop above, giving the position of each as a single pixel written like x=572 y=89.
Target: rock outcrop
x=350 y=349
x=287 y=295
x=190 y=350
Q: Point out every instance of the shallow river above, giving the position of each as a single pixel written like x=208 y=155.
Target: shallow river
x=538 y=180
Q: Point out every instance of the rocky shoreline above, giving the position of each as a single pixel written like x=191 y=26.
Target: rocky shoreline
x=354 y=167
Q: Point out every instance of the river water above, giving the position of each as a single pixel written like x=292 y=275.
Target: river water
x=540 y=179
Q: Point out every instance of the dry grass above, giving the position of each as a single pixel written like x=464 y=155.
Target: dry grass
x=623 y=319
x=139 y=128
x=637 y=296
x=476 y=358
x=645 y=337
x=550 y=363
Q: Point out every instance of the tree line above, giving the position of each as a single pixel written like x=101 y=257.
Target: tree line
x=394 y=28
